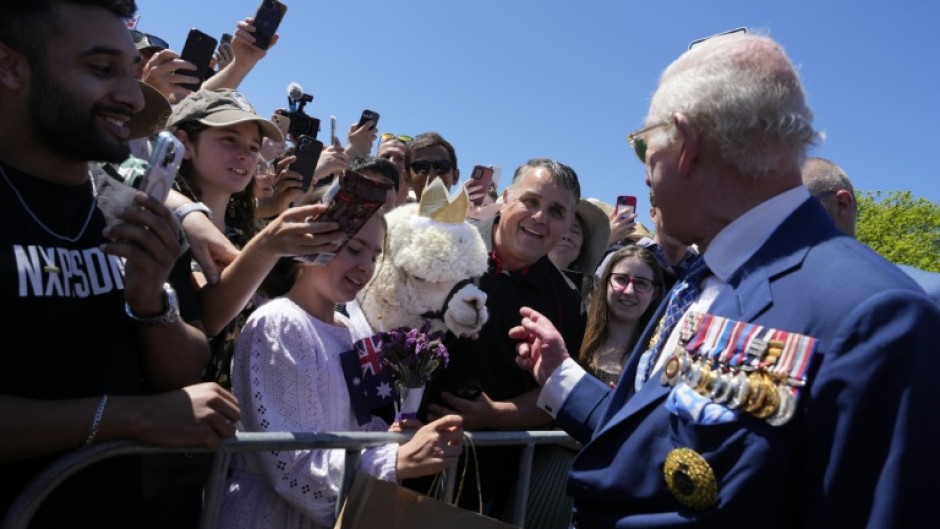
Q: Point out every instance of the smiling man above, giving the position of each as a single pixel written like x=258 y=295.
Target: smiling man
x=87 y=266
x=538 y=206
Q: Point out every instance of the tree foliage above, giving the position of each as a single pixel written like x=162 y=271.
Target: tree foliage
x=901 y=228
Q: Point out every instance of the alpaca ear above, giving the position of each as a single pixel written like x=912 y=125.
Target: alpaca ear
x=437 y=205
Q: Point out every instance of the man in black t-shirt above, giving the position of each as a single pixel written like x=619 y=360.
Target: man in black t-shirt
x=538 y=206
x=84 y=269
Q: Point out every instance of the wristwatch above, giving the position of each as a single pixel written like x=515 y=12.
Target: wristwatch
x=186 y=209
x=171 y=311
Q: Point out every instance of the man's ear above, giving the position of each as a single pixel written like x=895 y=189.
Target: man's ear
x=184 y=139
x=845 y=202
x=456 y=176
x=14 y=69
x=688 y=150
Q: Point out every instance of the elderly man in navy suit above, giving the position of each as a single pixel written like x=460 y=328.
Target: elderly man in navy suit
x=792 y=380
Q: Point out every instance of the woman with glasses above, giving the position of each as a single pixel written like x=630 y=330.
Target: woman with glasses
x=628 y=292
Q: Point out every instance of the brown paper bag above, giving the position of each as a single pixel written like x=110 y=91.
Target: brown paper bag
x=375 y=503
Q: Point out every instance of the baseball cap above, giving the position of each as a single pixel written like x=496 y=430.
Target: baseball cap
x=146 y=41
x=220 y=108
x=152 y=117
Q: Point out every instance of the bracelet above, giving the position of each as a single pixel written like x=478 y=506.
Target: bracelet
x=186 y=209
x=97 y=422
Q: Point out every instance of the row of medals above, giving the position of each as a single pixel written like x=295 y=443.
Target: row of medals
x=755 y=390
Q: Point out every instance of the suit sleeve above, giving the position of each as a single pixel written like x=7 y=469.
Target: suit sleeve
x=870 y=423
x=583 y=408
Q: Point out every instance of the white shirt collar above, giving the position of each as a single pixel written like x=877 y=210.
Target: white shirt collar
x=738 y=241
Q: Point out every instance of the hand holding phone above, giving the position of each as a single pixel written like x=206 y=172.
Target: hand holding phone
x=164 y=163
x=625 y=204
x=307 y=155
x=353 y=198
x=369 y=115
x=267 y=19
x=198 y=50
x=481 y=176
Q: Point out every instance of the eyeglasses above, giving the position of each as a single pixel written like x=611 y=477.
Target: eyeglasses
x=423 y=167
x=145 y=40
x=641 y=285
x=735 y=30
x=639 y=144
x=400 y=137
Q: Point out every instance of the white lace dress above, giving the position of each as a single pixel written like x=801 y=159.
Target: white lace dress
x=287 y=376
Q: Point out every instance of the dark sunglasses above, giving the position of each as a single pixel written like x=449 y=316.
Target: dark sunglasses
x=400 y=137
x=620 y=282
x=145 y=40
x=638 y=143
x=423 y=167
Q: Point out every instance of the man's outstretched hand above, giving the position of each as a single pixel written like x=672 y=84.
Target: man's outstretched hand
x=541 y=348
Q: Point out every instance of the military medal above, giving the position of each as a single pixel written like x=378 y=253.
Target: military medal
x=690 y=479
x=741 y=366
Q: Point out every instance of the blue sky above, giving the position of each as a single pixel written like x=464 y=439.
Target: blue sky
x=505 y=81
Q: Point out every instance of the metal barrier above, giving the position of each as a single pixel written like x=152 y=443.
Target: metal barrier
x=26 y=504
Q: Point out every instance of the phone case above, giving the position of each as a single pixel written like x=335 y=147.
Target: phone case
x=625 y=202
x=308 y=154
x=369 y=115
x=483 y=175
x=164 y=163
x=355 y=198
x=198 y=50
x=267 y=19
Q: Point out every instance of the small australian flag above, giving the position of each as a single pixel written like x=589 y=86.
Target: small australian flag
x=370 y=386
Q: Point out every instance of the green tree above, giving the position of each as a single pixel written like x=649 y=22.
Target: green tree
x=901 y=228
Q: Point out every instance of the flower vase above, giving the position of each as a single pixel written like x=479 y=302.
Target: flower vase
x=409 y=400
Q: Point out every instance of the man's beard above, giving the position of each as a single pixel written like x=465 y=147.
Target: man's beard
x=64 y=125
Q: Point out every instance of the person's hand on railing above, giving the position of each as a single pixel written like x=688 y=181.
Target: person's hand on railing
x=434 y=447
x=541 y=348
x=198 y=415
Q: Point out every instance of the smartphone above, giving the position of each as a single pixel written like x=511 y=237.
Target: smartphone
x=353 y=198
x=198 y=50
x=482 y=175
x=308 y=153
x=369 y=115
x=332 y=130
x=625 y=202
x=267 y=19
x=226 y=39
x=282 y=122
x=164 y=163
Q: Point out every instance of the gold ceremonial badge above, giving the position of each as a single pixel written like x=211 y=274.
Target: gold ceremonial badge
x=690 y=479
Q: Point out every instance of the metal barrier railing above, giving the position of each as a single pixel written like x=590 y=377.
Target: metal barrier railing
x=32 y=496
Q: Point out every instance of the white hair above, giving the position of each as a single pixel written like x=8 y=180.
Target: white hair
x=750 y=102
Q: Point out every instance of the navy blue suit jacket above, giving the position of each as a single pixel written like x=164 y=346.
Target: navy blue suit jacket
x=862 y=447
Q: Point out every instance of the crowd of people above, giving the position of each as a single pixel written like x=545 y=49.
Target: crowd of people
x=747 y=360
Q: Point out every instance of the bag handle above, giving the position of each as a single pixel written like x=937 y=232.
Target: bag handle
x=471 y=451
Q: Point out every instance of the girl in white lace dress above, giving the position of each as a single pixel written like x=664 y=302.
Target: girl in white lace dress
x=287 y=376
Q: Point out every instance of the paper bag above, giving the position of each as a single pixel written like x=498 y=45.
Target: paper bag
x=375 y=503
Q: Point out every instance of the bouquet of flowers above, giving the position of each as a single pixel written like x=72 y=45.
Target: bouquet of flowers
x=413 y=355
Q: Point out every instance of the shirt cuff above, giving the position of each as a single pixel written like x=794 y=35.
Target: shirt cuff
x=559 y=385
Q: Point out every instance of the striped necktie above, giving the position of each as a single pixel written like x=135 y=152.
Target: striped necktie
x=681 y=298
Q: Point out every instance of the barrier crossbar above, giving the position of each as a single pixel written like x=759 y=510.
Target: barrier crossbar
x=32 y=496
